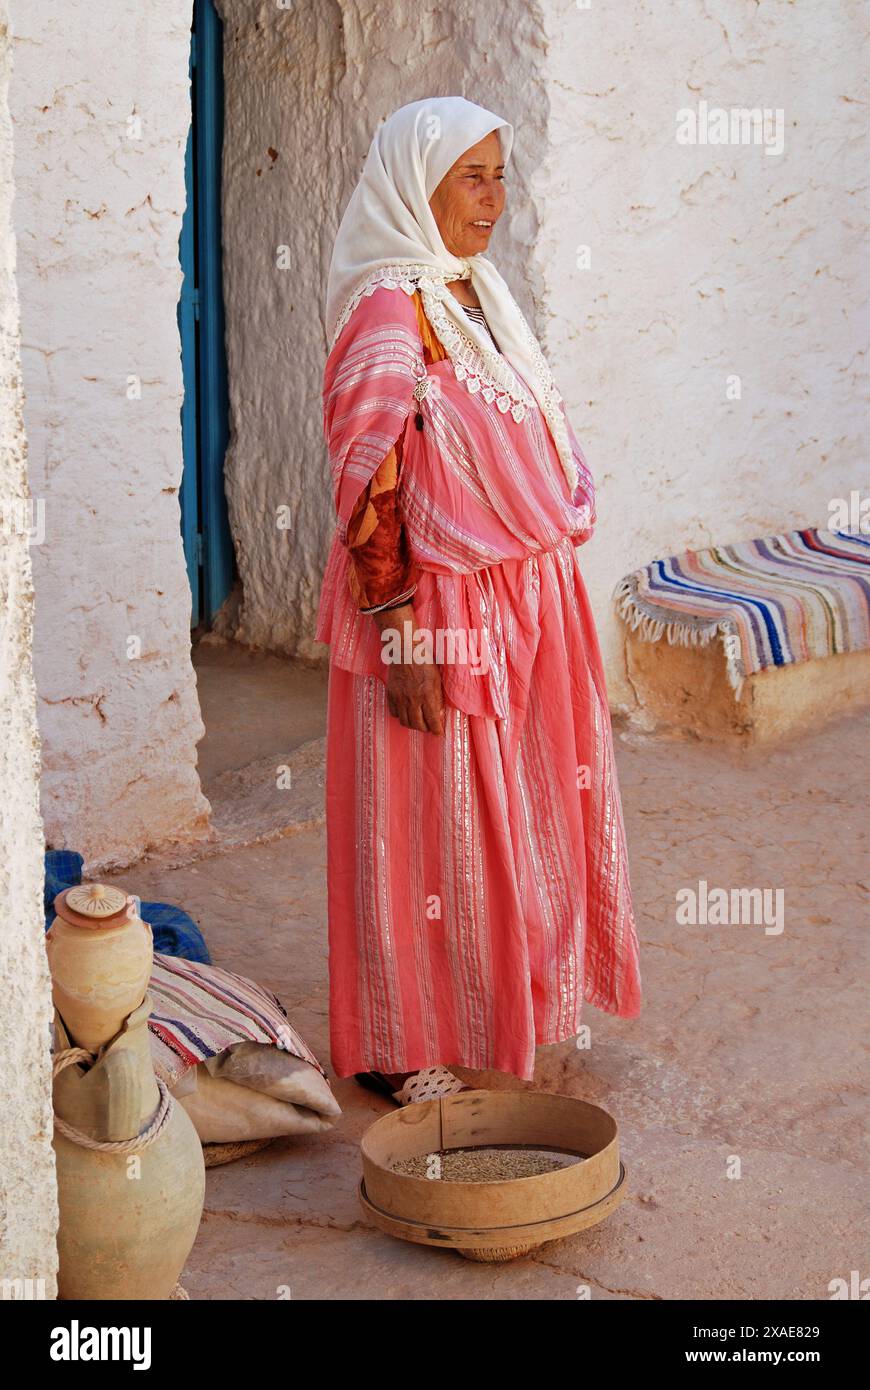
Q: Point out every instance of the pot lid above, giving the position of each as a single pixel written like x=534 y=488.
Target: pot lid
x=93 y=905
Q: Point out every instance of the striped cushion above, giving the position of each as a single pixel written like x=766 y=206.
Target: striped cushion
x=200 y=1010
x=787 y=598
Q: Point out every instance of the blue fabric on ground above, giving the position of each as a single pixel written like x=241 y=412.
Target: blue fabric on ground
x=174 y=930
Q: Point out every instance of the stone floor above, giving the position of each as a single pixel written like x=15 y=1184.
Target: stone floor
x=751 y=1045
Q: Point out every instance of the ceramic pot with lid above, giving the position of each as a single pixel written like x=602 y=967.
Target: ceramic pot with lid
x=100 y=953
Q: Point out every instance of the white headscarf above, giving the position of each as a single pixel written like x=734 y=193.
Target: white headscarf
x=388 y=235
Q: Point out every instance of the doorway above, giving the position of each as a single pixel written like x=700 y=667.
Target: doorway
x=205 y=528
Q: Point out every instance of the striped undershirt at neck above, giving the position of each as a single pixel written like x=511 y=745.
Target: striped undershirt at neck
x=475 y=312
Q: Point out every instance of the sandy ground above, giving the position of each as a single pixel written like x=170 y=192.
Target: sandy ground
x=750 y=1047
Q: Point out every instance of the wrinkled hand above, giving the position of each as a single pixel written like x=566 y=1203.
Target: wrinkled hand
x=416 y=698
x=415 y=695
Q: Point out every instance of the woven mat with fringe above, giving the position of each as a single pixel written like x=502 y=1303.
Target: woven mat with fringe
x=787 y=598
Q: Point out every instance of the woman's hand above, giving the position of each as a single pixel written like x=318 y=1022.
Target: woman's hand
x=414 y=692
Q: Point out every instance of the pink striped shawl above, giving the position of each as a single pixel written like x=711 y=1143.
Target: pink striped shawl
x=477 y=488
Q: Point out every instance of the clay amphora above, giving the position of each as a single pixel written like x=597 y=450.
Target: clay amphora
x=127 y=1221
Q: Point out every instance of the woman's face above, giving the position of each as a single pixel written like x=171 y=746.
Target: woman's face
x=469 y=200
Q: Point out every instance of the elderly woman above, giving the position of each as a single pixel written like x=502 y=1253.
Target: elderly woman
x=478 y=881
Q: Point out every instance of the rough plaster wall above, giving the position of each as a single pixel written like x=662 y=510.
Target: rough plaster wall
x=28 y=1200
x=98 y=216
x=305 y=91
x=706 y=261
x=281 y=171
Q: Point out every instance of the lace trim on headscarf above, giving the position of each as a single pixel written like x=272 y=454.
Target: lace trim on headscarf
x=401 y=275
x=481 y=369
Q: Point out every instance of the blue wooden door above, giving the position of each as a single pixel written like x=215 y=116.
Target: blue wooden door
x=205 y=527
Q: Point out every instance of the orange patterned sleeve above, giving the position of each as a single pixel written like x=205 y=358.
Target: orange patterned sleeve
x=381 y=574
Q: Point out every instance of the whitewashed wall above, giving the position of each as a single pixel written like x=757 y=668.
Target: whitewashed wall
x=28 y=1198
x=98 y=215
x=706 y=261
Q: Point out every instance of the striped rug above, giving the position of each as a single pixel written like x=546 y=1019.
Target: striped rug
x=787 y=598
x=199 y=1010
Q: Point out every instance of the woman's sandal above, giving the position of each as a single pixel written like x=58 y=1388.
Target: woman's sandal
x=427 y=1084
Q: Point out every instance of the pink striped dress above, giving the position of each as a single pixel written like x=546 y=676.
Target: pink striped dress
x=478 y=881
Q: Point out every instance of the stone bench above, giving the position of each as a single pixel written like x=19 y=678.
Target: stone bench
x=693 y=654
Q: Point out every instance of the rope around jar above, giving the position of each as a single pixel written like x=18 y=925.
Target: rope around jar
x=73 y=1056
